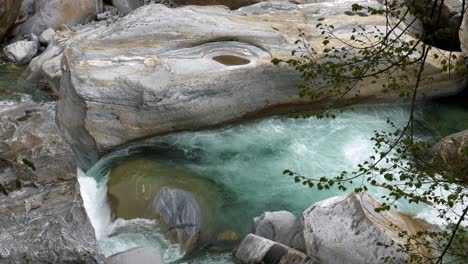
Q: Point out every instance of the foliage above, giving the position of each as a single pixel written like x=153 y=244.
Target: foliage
x=402 y=164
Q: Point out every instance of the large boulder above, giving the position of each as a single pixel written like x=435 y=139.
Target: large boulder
x=9 y=11
x=255 y=249
x=181 y=213
x=21 y=52
x=140 y=255
x=282 y=227
x=346 y=229
x=452 y=153
x=54 y=13
x=161 y=70
x=42 y=218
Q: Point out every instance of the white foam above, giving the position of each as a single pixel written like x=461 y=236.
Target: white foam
x=95 y=202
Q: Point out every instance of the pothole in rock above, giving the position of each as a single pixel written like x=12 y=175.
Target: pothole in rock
x=231 y=60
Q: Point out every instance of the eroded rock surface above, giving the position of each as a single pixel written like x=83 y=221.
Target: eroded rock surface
x=161 y=70
x=42 y=218
x=346 y=229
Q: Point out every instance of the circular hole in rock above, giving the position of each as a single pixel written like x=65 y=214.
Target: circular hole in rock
x=231 y=60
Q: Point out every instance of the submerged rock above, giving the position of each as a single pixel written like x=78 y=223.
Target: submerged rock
x=42 y=218
x=9 y=11
x=161 y=70
x=346 y=229
x=255 y=249
x=21 y=52
x=181 y=212
x=54 y=13
x=138 y=255
x=282 y=227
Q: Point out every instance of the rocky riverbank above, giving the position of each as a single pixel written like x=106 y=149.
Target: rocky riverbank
x=140 y=69
x=42 y=218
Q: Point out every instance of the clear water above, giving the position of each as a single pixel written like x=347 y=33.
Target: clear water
x=245 y=163
x=13 y=88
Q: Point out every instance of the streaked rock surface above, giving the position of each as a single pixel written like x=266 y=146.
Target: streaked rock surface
x=181 y=212
x=160 y=70
x=42 y=218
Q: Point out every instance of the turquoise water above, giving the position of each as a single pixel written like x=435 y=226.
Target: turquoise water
x=247 y=162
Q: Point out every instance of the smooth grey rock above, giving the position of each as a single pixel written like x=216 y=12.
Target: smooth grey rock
x=160 y=70
x=54 y=13
x=282 y=227
x=346 y=229
x=138 y=255
x=255 y=249
x=127 y=6
x=9 y=11
x=180 y=211
x=21 y=52
x=46 y=36
x=42 y=218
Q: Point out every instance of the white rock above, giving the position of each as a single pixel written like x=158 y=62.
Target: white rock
x=282 y=227
x=46 y=36
x=21 y=52
x=346 y=229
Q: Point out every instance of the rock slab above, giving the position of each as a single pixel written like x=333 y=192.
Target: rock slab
x=42 y=218
x=346 y=229
x=255 y=249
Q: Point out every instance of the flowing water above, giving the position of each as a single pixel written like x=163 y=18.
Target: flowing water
x=235 y=173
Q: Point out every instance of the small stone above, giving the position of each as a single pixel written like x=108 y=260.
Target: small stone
x=46 y=36
x=21 y=52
